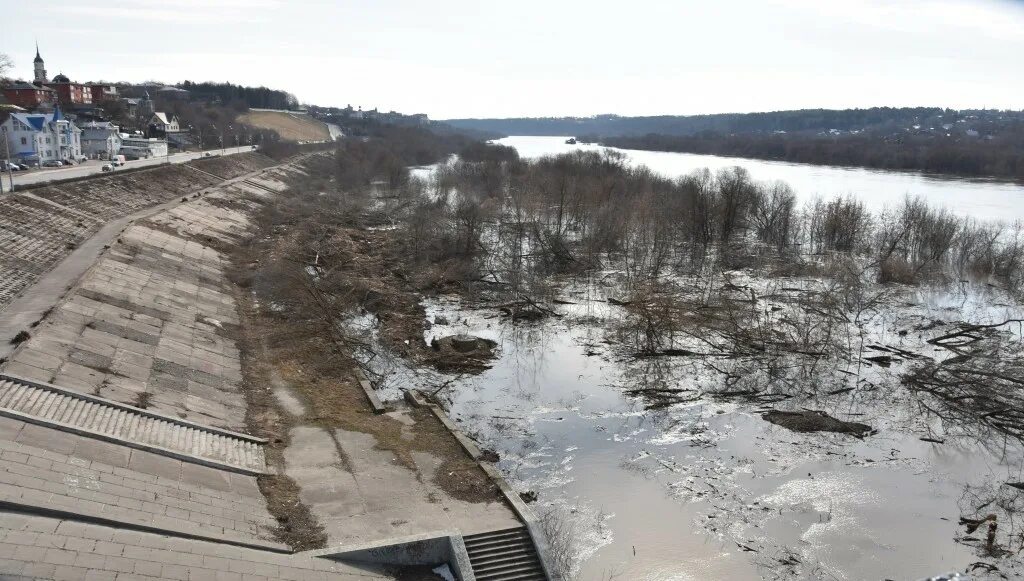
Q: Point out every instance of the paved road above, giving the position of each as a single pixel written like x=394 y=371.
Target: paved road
x=36 y=176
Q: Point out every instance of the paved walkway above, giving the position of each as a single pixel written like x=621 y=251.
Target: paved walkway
x=44 y=547
x=48 y=288
x=94 y=167
x=362 y=493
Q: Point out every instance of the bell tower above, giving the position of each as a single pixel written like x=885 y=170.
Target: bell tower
x=40 y=69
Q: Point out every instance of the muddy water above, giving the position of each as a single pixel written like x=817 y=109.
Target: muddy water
x=980 y=198
x=709 y=490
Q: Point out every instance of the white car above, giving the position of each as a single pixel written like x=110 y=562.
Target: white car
x=107 y=167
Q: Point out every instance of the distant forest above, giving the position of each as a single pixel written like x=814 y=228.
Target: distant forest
x=614 y=125
x=930 y=139
x=227 y=93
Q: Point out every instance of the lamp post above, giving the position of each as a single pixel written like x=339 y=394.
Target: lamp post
x=10 y=171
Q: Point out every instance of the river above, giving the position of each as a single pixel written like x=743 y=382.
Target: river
x=708 y=489
x=987 y=199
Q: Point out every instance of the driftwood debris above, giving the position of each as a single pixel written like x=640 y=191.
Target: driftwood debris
x=815 y=421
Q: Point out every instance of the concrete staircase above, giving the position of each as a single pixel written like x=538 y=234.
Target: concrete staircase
x=96 y=417
x=505 y=555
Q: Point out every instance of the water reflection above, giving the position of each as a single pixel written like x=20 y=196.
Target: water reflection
x=705 y=488
x=980 y=198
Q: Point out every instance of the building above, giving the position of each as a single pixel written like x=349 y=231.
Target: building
x=39 y=137
x=160 y=124
x=30 y=96
x=7 y=107
x=100 y=140
x=40 y=69
x=138 y=147
x=70 y=94
x=102 y=92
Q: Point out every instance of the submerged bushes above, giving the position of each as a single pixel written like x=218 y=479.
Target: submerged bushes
x=588 y=208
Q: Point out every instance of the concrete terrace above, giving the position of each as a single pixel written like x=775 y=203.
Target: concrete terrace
x=152 y=322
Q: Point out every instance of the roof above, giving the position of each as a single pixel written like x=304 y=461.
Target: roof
x=23 y=86
x=99 y=125
x=61 y=78
x=162 y=117
x=38 y=120
x=38 y=58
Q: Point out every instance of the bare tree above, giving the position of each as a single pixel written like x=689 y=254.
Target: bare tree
x=6 y=64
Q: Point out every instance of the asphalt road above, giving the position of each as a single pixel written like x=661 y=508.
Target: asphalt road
x=36 y=176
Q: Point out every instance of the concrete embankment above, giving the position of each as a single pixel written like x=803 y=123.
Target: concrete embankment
x=151 y=424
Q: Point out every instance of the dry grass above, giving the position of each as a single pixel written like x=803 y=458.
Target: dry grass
x=290 y=126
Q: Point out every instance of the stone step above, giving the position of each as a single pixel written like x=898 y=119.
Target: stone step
x=504 y=555
x=96 y=417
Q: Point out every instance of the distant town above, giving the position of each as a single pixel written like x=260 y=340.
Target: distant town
x=56 y=121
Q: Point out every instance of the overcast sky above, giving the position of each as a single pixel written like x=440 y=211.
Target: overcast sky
x=478 y=58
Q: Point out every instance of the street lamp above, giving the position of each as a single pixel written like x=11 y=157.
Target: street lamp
x=10 y=170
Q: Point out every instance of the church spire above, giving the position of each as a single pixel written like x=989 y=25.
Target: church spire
x=40 y=69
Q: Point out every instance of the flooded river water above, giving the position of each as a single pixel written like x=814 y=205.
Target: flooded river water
x=707 y=489
x=982 y=198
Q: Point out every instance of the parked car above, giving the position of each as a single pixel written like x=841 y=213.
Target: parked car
x=107 y=167
x=53 y=163
x=117 y=160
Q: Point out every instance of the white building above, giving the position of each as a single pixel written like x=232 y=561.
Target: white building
x=100 y=140
x=133 y=147
x=164 y=124
x=39 y=137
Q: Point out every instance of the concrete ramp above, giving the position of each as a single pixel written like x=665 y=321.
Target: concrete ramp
x=96 y=417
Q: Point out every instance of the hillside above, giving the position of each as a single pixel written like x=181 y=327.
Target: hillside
x=290 y=126
x=804 y=120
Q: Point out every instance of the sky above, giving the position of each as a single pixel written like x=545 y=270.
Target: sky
x=530 y=58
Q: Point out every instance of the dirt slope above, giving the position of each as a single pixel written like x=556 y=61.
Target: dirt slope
x=290 y=126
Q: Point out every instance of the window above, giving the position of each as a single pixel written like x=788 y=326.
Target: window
x=47 y=140
x=24 y=141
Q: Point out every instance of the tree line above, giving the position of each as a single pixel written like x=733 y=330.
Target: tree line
x=797 y=120
x=229 y=93
x=1000 y=155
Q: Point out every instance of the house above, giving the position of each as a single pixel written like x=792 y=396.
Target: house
x=160 y=124
x=39 y=137
x=29 y=96
x=7 y=107
x=69 y=93
x=102 y=92
x=100 y=140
